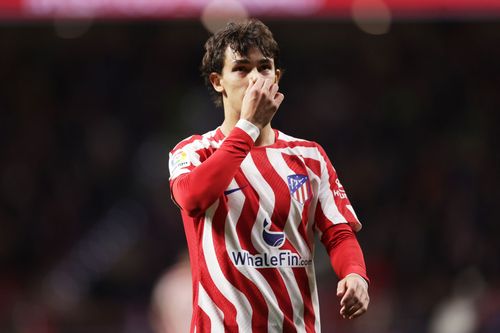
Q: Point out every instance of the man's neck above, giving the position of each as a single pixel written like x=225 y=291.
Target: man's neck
x=266 y=137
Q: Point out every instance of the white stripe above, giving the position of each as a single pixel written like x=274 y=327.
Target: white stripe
x=266 y=207
x=236 y=297
x=207 y=138
x=282 y=168
x=236 y=201
x=210 y=134
x=288 y=138
x=203 y=143
x=210 y=308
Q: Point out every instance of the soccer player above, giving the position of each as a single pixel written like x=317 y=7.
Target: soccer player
x=252 y=199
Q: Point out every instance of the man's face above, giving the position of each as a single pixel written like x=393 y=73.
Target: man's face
x=237 y=72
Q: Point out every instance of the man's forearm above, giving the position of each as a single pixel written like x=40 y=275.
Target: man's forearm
x=194 y=192
x=345 y=252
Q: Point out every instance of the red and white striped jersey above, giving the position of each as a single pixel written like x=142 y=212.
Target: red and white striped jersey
x=252 y=245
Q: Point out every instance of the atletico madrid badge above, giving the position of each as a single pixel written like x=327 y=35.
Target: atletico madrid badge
x=300 y=188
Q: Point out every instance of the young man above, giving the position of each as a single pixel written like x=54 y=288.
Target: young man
x=252 y=199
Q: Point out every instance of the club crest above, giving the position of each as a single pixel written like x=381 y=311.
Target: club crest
x=300 y=188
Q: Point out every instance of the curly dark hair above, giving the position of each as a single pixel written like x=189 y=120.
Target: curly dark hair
x=241 y=37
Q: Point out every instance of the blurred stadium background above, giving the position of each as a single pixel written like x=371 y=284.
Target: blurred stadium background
x=404 y=95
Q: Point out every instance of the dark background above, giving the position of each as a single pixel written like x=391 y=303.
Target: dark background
x=409 y=119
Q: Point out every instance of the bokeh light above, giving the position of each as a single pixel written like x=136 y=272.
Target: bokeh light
x=372 y=16
x=217 y=13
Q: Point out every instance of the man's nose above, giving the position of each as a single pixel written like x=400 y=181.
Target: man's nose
x=254 y=74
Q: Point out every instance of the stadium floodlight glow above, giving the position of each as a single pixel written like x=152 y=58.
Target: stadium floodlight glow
x=400 y=9
x=218 y=13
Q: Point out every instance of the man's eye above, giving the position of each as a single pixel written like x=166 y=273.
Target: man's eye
x=265 y=68
x=239 y=69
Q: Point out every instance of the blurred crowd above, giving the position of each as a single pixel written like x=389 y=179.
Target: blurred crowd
x=88 y=233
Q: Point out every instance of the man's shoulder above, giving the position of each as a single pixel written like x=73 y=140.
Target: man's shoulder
x=289 y=140
x=199 y=141
x=305 y=148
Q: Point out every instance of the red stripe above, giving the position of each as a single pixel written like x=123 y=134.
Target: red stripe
x=298 y=167
x=213 y=292
x=295 y=164
x=248 y=214
x=292 y=144
x=194 y=231
x=303 y=281
x=218 y=238
x=220 y=300
x=272 y=276
x=203 y=323
x=305 y=214
x=233 y=275
x=191 y=237
x=314 y=165
x=281 y=194
x=322 y=222
x=279 y=187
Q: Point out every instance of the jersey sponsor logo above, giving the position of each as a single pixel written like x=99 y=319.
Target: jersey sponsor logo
x=269 y=260
x=272 y=238
x=300 y=188
x=272 y=259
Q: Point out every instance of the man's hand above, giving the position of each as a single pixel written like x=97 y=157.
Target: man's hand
x=353 y=290
x=260 y=102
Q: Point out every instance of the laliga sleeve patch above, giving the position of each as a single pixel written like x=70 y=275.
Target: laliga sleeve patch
x=180 y=159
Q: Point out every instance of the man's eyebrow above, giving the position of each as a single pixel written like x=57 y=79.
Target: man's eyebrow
x=241 y=61
x=246 y=61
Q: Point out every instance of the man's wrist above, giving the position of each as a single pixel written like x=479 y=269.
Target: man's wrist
x=358 y=276
x=249 y=128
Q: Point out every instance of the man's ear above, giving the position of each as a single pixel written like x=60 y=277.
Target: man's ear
x=277 y=76
x=215 y=79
